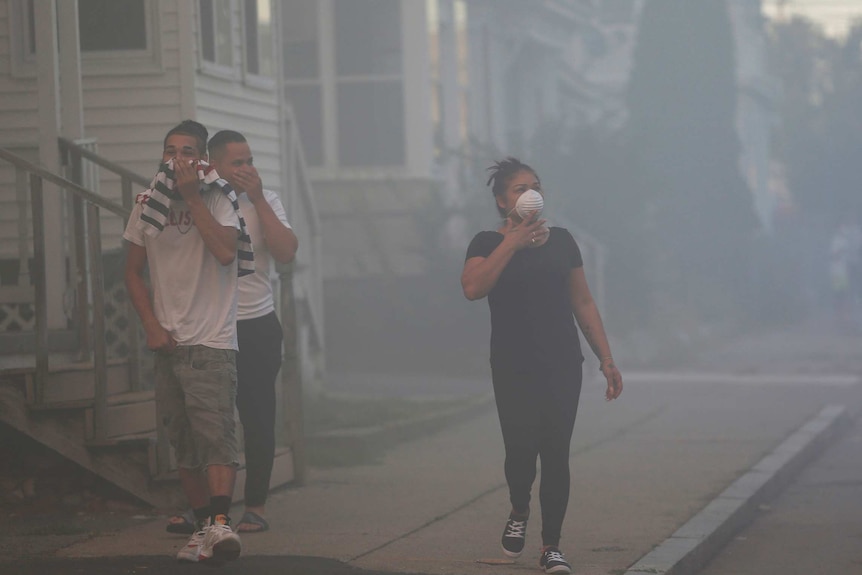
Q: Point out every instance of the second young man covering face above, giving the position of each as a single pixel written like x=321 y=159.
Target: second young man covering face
x=235 y=164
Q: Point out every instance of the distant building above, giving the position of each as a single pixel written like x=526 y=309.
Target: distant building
x=389 y=124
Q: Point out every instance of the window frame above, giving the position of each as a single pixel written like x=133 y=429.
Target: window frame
x=231 y=71
x=93 y=63
x=22 y=60
x=257 y=80
x=330 y=82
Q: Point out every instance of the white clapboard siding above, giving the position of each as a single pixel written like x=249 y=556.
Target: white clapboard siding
x=18 y=131
x=128 y=115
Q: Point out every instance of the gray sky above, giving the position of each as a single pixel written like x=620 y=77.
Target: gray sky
x=835 y=15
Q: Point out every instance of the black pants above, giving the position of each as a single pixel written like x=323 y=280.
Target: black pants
x=537 y=408
x=257 y=365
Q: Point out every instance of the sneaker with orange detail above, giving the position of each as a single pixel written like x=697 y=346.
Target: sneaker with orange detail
x=191 y=552
x=220 y=543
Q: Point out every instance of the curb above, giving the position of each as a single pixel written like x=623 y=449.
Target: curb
x=691 y=547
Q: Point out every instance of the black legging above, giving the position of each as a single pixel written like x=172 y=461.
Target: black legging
x=537 y=409
x=257 y=365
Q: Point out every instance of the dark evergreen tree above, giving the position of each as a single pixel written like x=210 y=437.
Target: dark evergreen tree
x=820 y=128
x=696 y=208
x=802 y=57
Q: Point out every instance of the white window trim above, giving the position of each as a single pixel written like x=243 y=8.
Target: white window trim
x=259 y=81
x=208 y=68
x=329 y=82
x=22 y=62
x=125 y=62
x=101 y=63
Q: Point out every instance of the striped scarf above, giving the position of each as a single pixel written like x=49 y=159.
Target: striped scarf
x=156 y=206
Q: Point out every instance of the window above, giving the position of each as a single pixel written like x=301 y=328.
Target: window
x=259 y=56
x=301 y=49
x=307 y=105
x=432 y=17
x=116 y=37
x=22 y=38
x=216 y=37
x=344 y=77
x=367 y=37
x=303 y=85
x=449 y=49
x=370 y=94
x=31 y=30
x=112 y=25
x=371 y=124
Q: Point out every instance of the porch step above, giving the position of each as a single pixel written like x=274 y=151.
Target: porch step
x=128 y=414
x=74 y=384
x=127 y=466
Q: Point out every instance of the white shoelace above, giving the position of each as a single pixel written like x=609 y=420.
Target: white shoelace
x=554 y=556
x=516 y=528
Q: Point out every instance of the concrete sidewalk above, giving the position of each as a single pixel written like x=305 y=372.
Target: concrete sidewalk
x=642 y=467
x=649 y=473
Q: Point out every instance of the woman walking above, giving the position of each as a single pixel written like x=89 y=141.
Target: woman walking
x=534 y=279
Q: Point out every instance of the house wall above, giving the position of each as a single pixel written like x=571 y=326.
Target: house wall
x=370 y=215
x=18 y=131
x=129 y=103
x=128 y=114
x=231 y=99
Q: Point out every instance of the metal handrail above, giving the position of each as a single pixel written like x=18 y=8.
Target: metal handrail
x=74 y=154
x=61 y=182
x=37 y=176
x=66 y=145
x=296 y=158
x=304 y=182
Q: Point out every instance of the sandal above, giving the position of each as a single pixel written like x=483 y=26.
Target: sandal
x=183 y=523
x=253 y=523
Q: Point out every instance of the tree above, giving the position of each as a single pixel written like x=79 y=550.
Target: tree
x=697 y=210
x=820 y=130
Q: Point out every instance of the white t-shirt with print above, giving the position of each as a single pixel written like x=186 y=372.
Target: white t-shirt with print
x=255 y=290
x=194 y=296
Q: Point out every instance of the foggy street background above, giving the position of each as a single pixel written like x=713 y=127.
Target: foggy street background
x=706 y=156
x=641 y=467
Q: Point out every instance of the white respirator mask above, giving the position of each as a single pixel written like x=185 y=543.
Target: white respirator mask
x=529 y=201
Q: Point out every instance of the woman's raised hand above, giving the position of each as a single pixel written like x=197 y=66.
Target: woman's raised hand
x=529 y=233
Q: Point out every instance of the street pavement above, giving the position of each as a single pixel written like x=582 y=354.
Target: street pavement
x=813 y=528
x=642 y=467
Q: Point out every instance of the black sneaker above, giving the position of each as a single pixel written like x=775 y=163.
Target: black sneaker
x=514 y=536
x=553 y=561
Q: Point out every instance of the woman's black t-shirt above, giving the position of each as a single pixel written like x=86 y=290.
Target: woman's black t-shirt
x=531 y=309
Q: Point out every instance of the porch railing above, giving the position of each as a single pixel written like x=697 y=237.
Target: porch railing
x=30 y=177
x=302 y=207
x=301 y=293
x=83 y=164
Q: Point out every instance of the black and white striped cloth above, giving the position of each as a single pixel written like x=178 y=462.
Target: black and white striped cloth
x=156 y=206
